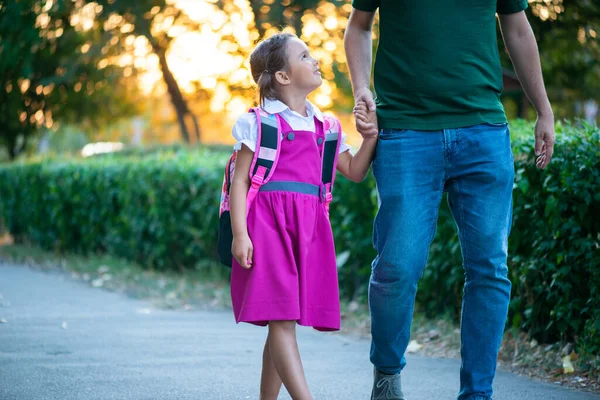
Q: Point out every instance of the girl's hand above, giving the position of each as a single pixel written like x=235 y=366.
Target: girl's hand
x=366 y=121
x=242 y=250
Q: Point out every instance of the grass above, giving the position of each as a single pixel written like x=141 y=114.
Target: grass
x=204 y=287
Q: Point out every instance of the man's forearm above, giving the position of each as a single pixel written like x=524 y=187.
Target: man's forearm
x=358 y=44
x=523 y=51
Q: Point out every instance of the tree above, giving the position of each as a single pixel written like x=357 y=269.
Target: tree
x=327 y=20
x=49 y=72
x=154 y=20
x=567 y=33
x=280 y=14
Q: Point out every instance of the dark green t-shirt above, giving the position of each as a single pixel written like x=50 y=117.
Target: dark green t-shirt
x=437 y=64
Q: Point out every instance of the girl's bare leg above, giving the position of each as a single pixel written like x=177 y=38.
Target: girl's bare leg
x=270 y=382
x=283 y=349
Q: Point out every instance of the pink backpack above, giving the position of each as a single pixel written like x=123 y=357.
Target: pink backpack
x=263 y=165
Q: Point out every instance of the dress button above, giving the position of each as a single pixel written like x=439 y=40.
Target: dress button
x=290 y=136
x=320 y=141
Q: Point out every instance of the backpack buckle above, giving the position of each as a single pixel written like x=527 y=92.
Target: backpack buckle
x=325 y=194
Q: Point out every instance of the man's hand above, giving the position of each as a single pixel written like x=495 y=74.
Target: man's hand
x=544 y=140
x=364 y=96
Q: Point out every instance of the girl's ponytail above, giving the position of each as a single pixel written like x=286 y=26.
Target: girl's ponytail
x=267 y=58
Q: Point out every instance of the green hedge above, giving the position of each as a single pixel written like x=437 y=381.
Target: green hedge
x=161 y=211
x=152 y=209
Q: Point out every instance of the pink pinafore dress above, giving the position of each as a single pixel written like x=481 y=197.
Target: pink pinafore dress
x=293 y=274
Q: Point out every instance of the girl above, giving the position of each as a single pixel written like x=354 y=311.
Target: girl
x=284 y=269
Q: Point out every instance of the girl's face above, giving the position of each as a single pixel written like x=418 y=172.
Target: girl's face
x=303 y=71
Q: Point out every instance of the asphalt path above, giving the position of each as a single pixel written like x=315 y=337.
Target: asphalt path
x=64 y=340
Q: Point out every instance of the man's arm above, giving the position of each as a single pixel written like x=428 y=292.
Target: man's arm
x=358 y=43
x=523 y=51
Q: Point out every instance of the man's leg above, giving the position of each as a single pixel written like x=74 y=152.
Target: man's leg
x=409 y=170
x=480 y=181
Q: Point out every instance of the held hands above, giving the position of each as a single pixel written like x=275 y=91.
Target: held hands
x=242 y=250
x=366 y=120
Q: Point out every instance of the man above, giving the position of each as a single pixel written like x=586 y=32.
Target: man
x=442 y=128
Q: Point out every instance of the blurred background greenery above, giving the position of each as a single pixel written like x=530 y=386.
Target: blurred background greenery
x=165 y=71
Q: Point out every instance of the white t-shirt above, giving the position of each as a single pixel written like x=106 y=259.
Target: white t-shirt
x=245 y=129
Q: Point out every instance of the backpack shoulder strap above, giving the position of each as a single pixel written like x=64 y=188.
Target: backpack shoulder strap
x=266 y=154
x=226 y=188
x=333 y=138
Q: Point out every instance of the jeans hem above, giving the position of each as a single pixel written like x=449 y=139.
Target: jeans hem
x=390 y=372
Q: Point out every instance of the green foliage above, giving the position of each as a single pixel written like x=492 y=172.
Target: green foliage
x=554 y=247
x=569 y=46
x=160 y=208
x=569 y=50
x=555 y=241
x=151 y=210
x=46 y=76
x=352 y=212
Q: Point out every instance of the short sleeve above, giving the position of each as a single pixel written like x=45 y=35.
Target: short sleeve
x=344 y=146
x=245 y=131
x=511 y=6
x=329 y=121
x=367 y=5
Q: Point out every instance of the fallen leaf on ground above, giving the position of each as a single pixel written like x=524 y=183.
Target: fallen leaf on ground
x=171 y=295
x=98 y=282
x=433 y=334
x=413 y=347
x=568 y=365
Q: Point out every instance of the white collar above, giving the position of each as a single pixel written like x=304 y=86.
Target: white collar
x=277 y=106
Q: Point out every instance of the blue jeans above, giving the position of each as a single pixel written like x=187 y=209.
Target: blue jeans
x=413 y=169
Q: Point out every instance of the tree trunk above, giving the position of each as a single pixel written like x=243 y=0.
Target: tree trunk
x=297 y=21
x=196 y=126
x=13 y=149
x=12 y=153
x=180 y=104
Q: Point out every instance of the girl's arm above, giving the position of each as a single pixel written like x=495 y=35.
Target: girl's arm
x=355 y=167
x=241 y=247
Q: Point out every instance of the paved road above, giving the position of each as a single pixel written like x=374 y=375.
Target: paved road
x=63 y=340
